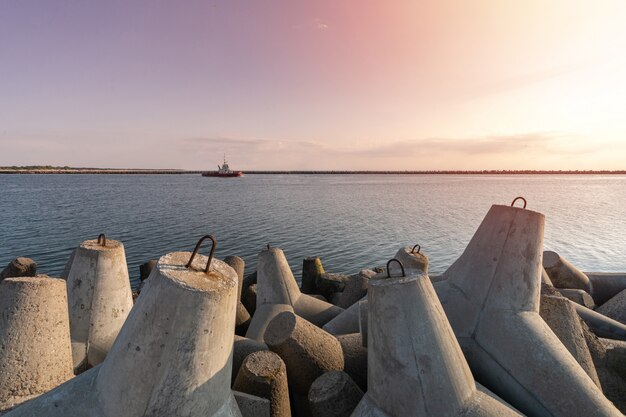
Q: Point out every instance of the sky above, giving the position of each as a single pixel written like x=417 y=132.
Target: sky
x=319 y=84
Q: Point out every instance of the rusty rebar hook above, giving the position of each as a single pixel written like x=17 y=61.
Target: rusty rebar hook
x=519 y=198
x=418 y=249
x=102 y=239
x=399 y=263
x=195 y=251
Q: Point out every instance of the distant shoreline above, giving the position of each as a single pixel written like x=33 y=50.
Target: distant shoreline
x=103 y=171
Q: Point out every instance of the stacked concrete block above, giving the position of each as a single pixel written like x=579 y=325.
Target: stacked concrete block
x=172 y=357
x=615 y=308
x=307 y=350
x=242 y=347
x=563 y=274
x=99 y=298
x=264 y=375
x=19 y=267
x=491 y=297
x=276 y=285
x=334 y=394
x=606 y=285
x=415 y=365
x=35 y=349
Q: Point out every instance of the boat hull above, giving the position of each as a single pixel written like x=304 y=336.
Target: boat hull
x=217 y=174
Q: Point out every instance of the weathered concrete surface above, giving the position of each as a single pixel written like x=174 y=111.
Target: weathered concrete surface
x=262 y=318
x=579 y=297
x=307 y=350
x=615 y=308
x=35 y=349
x=606 y=285
x=264 y=374
x=415 y=365
x=563 y=274
x=355 y=288
x=251 y=405
x=334 y=394
x=19 y=267
x=277 y=285
x=146 y=268
x=100 y=299
x=560 y=315
x=172 y=356
x=242 y=322
x=411 y=259
x=354 y=358
x=345 y=323
x=242 y=347
x=311 y=269
x=491 y=297
x=601 y=325
x=239 y=265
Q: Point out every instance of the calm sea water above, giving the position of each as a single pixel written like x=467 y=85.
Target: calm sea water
x=350 y=221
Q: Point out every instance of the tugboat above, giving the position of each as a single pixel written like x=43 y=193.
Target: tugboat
x=223 y=171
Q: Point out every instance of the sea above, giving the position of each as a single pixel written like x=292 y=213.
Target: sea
x=350 y=221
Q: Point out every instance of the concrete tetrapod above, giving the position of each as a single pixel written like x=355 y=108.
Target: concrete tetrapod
x=264 y=374
x=35 y=350
x=563 y=274
x=415 y=365
x=411 y=258
x=334 y=394
x=491 y=297
x=276 y=285
x=172 y=356
x=100 y=298
x=606 y=285
x=307 y=350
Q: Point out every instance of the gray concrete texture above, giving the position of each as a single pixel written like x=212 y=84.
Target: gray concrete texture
x=579 y=297
x=334 y=394
x=276 y=286
x=264 y=374
x=354 y=358
x=251 y=405
x=560 y=315
x=345 y=323
x=601 y=325
x=491 y=297
x=100 y=299
x=355 y=288
x=615 y=308
x=307 y=350
x=415 y=364
x=242 y=347
x=239 y=265
x=563 y=274
x=35 y=349
x=410 y=259
x=172 y=357
x=606 y=285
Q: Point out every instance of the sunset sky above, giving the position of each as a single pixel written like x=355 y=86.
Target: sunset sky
x=324 y=84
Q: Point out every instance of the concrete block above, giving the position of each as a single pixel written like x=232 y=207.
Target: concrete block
x=307 y=350
x=354 y=358
x=491 y=297
x=251 y=405
x=615 y=308
x=35 y=349
x=415 y=364
x=242 y=347
x=345 y=323
x=411 y=257
x=579 y=297
x=100 y=299
x=262 y=318
x=606 y=285
x=311 y=269
x=563 y=274
x=239 y=265
x=242 y=322
x=334 y=394
x=277 y=285
x=172 y=357
x=248 y=298
x=601 y=325
x=19 y=267
x=562 y=318
x=355 y=288
x=264 y=374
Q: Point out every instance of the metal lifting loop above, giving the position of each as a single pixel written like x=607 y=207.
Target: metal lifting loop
x=418 y=249
x=399 y=263
x=193 y=255
x=519 y=198
x=102 y=239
